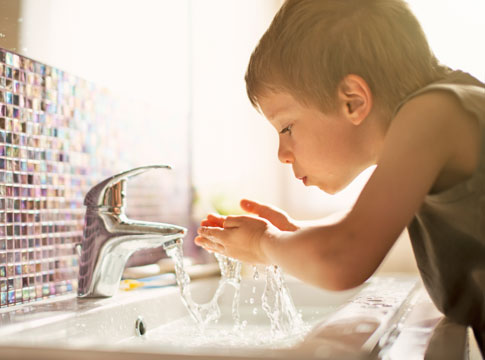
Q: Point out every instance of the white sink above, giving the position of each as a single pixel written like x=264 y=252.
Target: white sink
x=345 y=324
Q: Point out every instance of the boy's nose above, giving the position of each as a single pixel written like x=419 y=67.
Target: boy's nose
x=285 y=155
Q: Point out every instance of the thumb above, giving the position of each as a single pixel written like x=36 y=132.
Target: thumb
x=256 y=208
x=248 y=205
x=277 y=217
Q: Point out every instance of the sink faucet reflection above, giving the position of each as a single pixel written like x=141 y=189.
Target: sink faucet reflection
x=110 y=238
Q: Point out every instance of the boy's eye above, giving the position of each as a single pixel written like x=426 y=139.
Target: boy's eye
x=286 y=130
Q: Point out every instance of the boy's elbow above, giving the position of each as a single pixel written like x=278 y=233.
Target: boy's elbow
x=343 y=267
x=342 y=282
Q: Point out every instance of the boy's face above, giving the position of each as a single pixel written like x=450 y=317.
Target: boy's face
x=324 y=150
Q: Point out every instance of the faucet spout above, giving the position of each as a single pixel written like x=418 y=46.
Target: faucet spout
x=110 y=238
x=167 y=231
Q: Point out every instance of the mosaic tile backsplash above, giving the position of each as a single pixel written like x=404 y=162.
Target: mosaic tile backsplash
x=60 y=135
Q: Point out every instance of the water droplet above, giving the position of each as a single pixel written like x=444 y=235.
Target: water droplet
x=255 y=273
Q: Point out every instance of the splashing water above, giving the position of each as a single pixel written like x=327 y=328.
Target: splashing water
x=278 y=305
x=276 y=300
x=255 y=272
x=231 y=275
x=204 y=314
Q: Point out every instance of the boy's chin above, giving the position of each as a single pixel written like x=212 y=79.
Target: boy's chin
x=328 y=191
x=331 y=189
x=336 y=186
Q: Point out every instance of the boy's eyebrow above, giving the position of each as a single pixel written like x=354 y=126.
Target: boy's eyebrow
x=276 y=113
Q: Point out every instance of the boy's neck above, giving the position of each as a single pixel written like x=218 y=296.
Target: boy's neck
x=377 y=125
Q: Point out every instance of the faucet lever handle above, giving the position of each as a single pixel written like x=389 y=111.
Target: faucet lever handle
x=110 y=192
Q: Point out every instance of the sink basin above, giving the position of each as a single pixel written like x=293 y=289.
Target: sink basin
x=348 y=324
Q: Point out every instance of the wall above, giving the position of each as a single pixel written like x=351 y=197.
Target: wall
x=234 y=147
x=115 y=99
x=117 y=85
x=454 y=30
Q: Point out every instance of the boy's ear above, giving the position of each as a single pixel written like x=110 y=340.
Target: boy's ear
x=355 y=98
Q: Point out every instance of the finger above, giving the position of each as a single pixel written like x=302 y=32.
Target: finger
x=209 y=245
x=274 y=215
x=248 y=205
x=199 y=240
x=209 y=223
x=232 y=221
x=259 y=209
x=262 y=210
x=212 y=233
x=216 y=219
x=213 y=220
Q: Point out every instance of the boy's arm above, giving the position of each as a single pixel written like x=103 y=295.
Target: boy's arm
x=424 y=140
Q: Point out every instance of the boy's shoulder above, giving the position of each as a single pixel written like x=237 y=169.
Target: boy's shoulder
x=454 y=90
x=437 y=105
x=451 y=128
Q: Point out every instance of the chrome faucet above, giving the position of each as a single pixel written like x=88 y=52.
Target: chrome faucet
x=110 y=238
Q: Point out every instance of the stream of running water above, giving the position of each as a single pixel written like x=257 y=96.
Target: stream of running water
x=276 y=299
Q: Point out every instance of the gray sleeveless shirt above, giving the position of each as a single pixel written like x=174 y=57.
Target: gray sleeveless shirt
x=448 y=231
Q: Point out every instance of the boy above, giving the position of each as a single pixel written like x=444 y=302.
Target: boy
x=348 y=84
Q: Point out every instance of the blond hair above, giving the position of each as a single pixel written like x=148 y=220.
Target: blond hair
x=311 y=45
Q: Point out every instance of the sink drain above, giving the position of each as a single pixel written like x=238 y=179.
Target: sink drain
x=140 y=326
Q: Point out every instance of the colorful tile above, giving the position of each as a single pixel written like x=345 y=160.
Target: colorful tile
x=59 y=136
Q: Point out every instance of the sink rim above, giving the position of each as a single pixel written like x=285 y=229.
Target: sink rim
x=90 y=307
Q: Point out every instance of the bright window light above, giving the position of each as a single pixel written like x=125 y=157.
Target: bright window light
x=455 y=32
